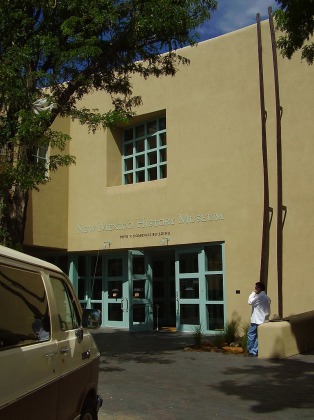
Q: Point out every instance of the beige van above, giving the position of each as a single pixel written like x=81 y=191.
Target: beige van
x=49 y=362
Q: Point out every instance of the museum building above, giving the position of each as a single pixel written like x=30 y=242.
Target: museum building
x=170 y=220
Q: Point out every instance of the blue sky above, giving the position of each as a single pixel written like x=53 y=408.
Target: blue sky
x=235 y=14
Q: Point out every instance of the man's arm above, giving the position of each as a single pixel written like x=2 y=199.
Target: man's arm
x=252 y=298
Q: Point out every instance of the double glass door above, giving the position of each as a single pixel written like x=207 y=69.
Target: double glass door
x=128 y=292
x=180 y=288
x=200 y=288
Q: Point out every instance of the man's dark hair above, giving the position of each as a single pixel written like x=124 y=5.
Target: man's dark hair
x=260 y=285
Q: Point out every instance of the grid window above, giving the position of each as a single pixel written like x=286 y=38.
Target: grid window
x=145 y=152
x=40 y=157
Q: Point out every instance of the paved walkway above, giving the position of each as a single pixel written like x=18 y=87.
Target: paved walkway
x=148 y=376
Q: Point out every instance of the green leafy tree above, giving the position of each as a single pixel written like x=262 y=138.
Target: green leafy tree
x=296 y=19
x=52 y=53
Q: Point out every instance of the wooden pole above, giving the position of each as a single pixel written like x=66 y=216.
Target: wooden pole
x=279 y=165
x=265 y=231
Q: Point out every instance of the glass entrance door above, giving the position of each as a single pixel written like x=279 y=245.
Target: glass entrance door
x=140 y=280
x=200 y=288
x=187 y=290
x=116 y=292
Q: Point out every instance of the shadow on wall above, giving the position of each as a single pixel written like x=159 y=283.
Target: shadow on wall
x=302 y=328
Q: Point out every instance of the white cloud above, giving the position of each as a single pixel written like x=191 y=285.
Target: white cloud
x=235 y=14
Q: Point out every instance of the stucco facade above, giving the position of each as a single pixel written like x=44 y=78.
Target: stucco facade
x=212 y=195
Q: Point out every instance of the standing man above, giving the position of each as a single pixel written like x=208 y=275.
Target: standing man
x=260 y=313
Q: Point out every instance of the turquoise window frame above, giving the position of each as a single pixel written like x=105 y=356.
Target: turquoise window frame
x=144 y=155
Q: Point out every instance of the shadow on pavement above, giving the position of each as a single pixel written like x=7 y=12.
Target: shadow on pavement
x=149 y=376
x=273 y=385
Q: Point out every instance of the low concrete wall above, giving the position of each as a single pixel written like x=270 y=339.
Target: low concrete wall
x=292 y=335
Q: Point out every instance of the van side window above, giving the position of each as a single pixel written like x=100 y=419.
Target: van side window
x=24 y=311
x=67 y=310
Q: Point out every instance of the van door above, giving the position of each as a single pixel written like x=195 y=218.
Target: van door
x=78 y=356
x=28 y=353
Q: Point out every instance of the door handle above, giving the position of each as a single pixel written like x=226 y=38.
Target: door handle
x=177 y=305
x=64 y=350
x=127 y=304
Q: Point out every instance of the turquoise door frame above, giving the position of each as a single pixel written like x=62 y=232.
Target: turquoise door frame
x=120 y=285
x=140 y=291
x=200 y=288
x=116 y=291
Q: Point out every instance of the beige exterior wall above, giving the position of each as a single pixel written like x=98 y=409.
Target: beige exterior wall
x=214 y=160
x=47 y=217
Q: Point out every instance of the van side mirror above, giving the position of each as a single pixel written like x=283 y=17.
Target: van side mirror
x=91 y=318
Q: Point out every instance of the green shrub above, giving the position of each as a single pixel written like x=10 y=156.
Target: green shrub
x=219 y=339
x=230 y=332
x=243 y=339
x=198 y=335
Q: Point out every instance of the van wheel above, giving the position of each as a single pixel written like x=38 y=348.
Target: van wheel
x=89 y=411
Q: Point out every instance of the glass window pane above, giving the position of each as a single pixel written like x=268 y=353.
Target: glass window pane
x=189 y=314
x=152 y=127
x=114 y=312
x=140 y=131
x=215 y=317
x=188 y=262
x=128 y=134
x=97 y=289
x=42 y=151
x=163 y=139
x=114 y=289
x=81 y=289
x=128 y=178
x=152 y=174
x=152 y=142
x=24 y=311
x=128 y=164
x=140 y=146
x=189 y=289
x=139 y=313
x=152 y=158
x=214 y=287
x=96 y=266
x=163 y=155
x=128 y=149
x=139 y=289
x=115 y=267
x=140 y=176
x=138 y=264
x=140 y=161
x=162 y=123
x=213 y=258
x=97 y=306
x=163 y=171
x=67 y=311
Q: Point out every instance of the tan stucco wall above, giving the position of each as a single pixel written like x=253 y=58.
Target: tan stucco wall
x=47 y=215
x=214 y=162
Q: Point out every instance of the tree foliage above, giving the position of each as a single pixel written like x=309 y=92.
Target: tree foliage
x=296 y=19
x=52 y=53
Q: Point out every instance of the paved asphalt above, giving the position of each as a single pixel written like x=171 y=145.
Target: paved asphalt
x=154 y=375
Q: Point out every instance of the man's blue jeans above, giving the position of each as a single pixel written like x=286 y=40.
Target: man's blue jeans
x=252 y=342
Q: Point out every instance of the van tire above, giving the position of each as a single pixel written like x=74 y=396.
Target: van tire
x=89 y=411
